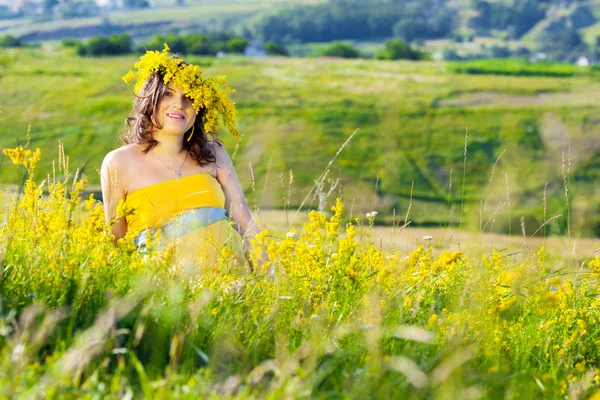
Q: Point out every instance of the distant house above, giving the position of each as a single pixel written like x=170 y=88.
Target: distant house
x=221 y=54
x=582 y=62
x=255 y=50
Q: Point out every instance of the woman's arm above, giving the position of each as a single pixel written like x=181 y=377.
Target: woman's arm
x=235 y=202
x=113 y=190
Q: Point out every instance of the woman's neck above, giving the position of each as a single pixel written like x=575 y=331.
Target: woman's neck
x=169 y=146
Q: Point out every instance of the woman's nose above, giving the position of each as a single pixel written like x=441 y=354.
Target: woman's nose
x=177 y=102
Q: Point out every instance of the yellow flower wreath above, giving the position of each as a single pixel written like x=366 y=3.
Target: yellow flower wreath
x=205 y=93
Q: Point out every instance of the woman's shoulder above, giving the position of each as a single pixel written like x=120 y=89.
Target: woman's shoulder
x=123 y=156
x=120 y=162
x=218 y=150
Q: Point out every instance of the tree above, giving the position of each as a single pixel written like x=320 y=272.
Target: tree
x=398 y=50
x=102 y=46
x=237 y=45
x=198 y=43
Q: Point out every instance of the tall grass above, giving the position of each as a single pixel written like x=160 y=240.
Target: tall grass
x=330 y=315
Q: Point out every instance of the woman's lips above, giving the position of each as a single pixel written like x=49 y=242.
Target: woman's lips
x=176 y=117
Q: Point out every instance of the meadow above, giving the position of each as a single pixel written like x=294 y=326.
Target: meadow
x=431 y=232
x=414 y=120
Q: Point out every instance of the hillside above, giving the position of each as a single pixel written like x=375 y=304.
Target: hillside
x=412 y=119
x=162 y=16
x=450 y=29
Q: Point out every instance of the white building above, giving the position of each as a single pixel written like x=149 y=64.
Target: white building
x=582 y=62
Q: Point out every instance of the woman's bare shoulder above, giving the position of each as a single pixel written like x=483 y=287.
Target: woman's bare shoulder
x=219 y=151
x=122 y=157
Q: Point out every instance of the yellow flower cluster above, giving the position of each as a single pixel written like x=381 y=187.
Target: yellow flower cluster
x=208 y=94
x=25 y=157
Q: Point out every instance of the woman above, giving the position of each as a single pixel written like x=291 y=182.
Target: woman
x=174 y=179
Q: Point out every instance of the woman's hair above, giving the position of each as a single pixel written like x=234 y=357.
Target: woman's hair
x=139 y=123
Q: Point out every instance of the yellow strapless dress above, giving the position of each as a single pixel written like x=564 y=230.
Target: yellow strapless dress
x=190 y=214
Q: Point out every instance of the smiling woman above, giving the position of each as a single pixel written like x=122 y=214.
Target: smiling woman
x=168 y=175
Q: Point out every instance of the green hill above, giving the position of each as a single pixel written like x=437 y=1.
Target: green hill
x=474 y=28
x=163 y=16
x=296 y=113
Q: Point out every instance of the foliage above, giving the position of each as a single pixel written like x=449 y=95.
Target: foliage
x=237 y=45
x=517 y=16
x=198 y=43
x=398 y=50
x=355 y=19
x=275 y=49
x=562 y=43
x=331 y=314
x=106 y=46
x=9 y=41
x=340 y=50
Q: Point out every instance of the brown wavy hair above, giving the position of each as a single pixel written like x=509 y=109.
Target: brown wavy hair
x=141 y=121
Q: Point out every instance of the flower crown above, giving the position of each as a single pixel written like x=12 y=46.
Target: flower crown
x=205 y=93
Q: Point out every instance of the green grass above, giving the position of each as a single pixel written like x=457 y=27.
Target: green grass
x=516 y=67
x=407 y=132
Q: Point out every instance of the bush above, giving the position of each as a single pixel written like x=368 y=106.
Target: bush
x=275 y=49
x=104 y=46
x=398 y=50
x=70 y=43
x=10 y=41
x=340 y=50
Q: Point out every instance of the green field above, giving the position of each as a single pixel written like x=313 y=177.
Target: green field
x=412 y=119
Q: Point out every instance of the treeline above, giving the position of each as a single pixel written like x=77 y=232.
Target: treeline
x=213 y=43
x=409 y=20
x=358 y=20
x=516 y=17
x=192 y=43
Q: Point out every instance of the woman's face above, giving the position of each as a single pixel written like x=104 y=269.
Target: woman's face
x=175 y=113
